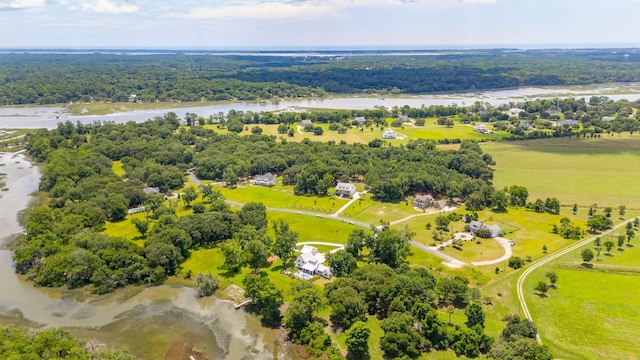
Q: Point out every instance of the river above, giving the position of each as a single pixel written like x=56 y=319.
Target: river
x=46 y=116
x=148 y=321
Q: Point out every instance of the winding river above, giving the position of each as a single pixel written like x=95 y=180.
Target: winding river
x=148 y=321
x=46 y=116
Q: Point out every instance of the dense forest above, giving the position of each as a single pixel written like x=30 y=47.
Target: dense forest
x=58 y=78
x=52 y=344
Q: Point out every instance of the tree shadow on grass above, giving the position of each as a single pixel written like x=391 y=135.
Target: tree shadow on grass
x=587 y=265
x=229 y=273
x=630 y=245
x=608 y=254
x=541 y=295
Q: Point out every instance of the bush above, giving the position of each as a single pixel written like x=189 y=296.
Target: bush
x=516 y=262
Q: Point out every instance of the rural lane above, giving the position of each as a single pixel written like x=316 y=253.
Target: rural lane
x=521 y=279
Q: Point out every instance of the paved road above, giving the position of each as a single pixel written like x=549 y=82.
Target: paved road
x=437 y=253
x=523 y=303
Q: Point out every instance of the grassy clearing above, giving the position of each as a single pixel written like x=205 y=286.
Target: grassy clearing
x=104 y=108
x=488 y=249
x=582 y=320
x=282 y=197
x=117 y=168
x=212 y=261
x=582 y=171
x=312 y=228
x=370 y=211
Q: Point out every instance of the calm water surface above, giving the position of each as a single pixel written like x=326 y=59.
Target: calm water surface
x=45 y=117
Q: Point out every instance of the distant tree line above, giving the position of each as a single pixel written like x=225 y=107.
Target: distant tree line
x=59 y=78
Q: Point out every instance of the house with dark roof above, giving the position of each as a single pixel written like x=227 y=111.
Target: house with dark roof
x=404 y=118
x=267 y=179
x=345 y=189
x=423 y=201
x=477 y=225
x=525 y=125
x=567 y=122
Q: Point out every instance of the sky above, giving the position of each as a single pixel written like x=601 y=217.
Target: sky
x=317 y=24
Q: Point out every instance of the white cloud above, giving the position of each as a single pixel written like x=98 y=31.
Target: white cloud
x=479 y=1
x=21 y=4
x=109 y=6
x=265 y=9
x=257 y=10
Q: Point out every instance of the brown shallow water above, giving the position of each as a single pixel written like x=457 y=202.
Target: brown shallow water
x=148 y=321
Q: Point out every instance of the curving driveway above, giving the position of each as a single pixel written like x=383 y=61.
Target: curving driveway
x=507 y=253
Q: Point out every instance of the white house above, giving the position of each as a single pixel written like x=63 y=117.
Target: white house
x=482 y=128
x=389 y=134
x=345 y=189
x=310 y=262
x=477 y=225
x=515 y=111
x=360 y=120
x=267 y=179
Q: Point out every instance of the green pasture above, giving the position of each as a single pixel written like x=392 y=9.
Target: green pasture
x=591 y=314
x=458 y=131
x=604 y=171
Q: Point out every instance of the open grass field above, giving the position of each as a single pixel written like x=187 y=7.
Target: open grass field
x=104 y=108
x=365 y=135
x=282 y=197
x=583 y=171
x=370 y=211
x=488 y=249
x=591 y=315
x=311 y=228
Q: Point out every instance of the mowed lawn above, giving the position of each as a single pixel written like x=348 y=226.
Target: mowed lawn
x=591 y=315
x=282 y=197
x=605 y=171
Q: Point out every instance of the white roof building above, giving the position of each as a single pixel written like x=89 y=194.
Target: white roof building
x=389 y=134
